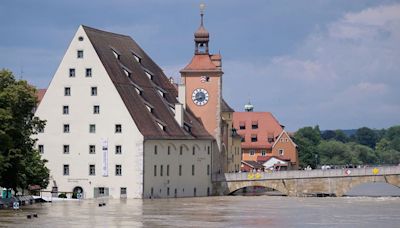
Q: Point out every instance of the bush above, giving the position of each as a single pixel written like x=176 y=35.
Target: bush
x=62 y=195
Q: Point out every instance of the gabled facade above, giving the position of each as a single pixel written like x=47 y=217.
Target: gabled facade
x=115 y=126
x=263 y=136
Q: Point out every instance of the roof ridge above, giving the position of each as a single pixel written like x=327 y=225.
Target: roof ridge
x=102 y=31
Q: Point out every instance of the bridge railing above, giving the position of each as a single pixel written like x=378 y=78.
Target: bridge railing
x=300 y=174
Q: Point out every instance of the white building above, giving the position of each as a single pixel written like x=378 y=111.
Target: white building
x=115 y=126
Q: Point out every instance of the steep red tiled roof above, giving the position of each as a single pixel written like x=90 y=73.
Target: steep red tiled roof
x=202 y=63
x=268 y=126
x=40 y=94
x=147 y=122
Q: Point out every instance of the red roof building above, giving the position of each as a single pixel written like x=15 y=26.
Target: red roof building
x=263 y=136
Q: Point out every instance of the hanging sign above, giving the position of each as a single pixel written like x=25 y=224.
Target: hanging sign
x=104 y=148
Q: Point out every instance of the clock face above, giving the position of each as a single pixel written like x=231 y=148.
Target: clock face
x=200 y=97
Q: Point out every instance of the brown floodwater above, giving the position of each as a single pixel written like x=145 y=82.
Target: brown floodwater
x=227 y=211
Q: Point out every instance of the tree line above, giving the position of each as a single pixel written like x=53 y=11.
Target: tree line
x=333 y=147
x=20 y=164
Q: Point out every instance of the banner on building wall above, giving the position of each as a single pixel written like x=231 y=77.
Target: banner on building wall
x=104 y=146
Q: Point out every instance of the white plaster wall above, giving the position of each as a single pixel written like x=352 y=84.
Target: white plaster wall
x=184 y=184
x=271 y=162
x=112 y=111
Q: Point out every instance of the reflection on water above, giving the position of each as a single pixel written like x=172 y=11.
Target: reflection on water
x=229 y=211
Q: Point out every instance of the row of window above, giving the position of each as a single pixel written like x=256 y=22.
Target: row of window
x=264 y=152
x=180 y=150
x=92 y=170
x=93 y=91
x=152 y=193
x=65 y=109
x=103 y=191
x=92 y=149
x=242 y=125
x=254 y=138
x=179 y=170
x=72 y=72
x=92 y=128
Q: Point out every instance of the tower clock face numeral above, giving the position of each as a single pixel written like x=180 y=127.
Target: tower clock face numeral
x=200 y=97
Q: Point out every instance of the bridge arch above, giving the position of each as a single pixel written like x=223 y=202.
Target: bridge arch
x=278 y=185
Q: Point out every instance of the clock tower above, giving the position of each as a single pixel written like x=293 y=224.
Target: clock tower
x=202 y=79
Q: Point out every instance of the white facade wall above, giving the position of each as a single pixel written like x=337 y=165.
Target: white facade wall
x=184 y=183
x=271 y=162
x=112 y=112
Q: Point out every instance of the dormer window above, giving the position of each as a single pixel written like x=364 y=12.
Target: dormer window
x=116 y=54
x=137 y=58
x=138 y=91
x=162 y=127
x=187 y=127
x=161 y=93
x=127 y=72
x=149 y=108
x=150 y=76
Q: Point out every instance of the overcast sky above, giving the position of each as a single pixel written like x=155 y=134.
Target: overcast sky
x=332 y=63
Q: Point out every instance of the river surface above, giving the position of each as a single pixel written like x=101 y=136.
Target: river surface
x=226 y=211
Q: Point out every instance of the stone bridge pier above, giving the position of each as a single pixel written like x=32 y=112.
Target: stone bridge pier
x=303 y=183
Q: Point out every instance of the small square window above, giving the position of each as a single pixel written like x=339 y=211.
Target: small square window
x=67 y=91
x=41 y=149
x=92 y=149
x=92 y=128
x=101 y=191
x=92 y=170
x=123 y=191
x=93 y=91
x=252 y=152
x=118 y=170
x=96 y=109
x=79 y=54
x=66 y=170
x=253 y=138
x=118 y=128
x=65 y=110
x=242 y=125
x=66 y=128
x=263 y=152
x=281 y=152
x=72 y=72
x=88 y=72
x=254 y=126
x=66 y=149
x=118 y=149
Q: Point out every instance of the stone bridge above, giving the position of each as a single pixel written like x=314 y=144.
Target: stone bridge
x=308 y=182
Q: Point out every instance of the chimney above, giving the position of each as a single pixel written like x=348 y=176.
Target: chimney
x=182 y=94
x=179 y=114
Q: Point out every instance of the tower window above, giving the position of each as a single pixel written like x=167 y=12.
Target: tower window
x=192 y=170
x=180 y=170
x=155 y=150
x=155 y=170
x=79 y=54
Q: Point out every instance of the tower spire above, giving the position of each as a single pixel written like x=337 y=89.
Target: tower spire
x=201 y=36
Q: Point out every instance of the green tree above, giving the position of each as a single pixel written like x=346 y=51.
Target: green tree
x=341 y=136
x=20 y=164
x=336 y=153
x=307 y=139
x=366 y=136
x=364 y=154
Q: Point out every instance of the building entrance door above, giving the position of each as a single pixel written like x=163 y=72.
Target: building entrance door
x=77 y=192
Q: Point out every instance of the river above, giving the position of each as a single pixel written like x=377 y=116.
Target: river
x=227 y=211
